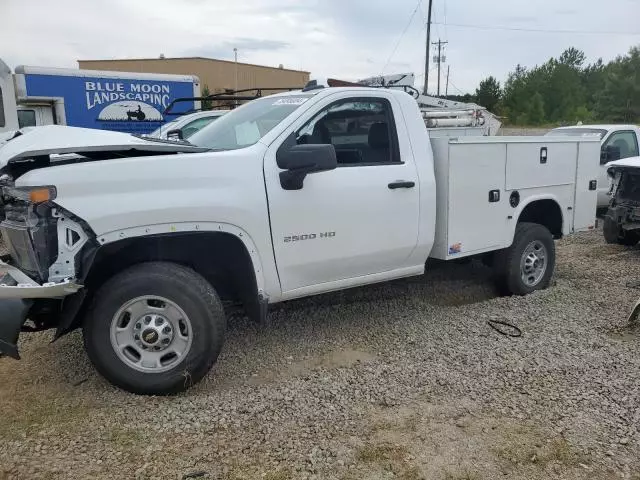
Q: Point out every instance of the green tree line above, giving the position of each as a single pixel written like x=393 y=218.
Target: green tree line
x=566 y=90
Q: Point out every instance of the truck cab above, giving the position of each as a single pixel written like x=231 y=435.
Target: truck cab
x=617 y=142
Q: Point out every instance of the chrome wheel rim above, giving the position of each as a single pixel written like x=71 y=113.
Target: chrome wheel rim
x=151 y=334
x=533 y=263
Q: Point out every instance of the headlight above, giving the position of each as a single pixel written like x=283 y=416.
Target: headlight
x=31 y=194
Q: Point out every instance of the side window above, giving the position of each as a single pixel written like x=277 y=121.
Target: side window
x=26 y=118
x=2 y=121
x=362 y=131
x=625 y=141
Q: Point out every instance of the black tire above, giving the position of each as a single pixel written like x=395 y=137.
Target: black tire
x=507 y=262
x=613 y=234
x=186 y=289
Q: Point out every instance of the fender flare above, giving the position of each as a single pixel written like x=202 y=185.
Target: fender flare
x=528 y=201
x=192 y=227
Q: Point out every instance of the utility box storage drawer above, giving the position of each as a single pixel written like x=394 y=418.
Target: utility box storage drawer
x=531 y=165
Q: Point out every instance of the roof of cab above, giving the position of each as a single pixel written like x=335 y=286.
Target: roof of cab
x=332 y=90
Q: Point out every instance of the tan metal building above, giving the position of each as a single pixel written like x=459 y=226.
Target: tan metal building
x=217 y=75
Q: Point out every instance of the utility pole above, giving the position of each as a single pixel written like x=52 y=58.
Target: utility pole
x=235 y=55
x=446 y=89
x=439 y=59
x=426 y=60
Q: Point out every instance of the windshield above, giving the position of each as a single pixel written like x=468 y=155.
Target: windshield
x=566 y=132
x=247 y=124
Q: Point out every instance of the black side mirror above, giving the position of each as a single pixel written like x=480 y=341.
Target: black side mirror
x=298 y=161
x=609 y=154
x=175 y=134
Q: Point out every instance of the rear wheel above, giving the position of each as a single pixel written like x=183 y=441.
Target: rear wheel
x=528 y=264
x=155 y=329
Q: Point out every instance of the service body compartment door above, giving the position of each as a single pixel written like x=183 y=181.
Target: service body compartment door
x=531 y=165
x=586 y=194
x=477 y=201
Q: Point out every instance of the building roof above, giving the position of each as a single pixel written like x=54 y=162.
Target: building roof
x=190 y=58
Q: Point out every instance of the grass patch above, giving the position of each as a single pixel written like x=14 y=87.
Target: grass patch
x=412 y=473
x=525 y=452
x=464 y=475
x=29 y=414
x=278 y=475
x=379 y=453
x=125 y=438
x=271 y=475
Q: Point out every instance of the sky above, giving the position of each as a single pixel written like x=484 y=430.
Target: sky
x=347 y=39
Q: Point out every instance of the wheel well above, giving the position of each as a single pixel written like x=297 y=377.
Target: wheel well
x=546 y=213
x=221 y=258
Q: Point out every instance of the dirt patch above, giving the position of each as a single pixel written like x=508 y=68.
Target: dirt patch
x=457 y=442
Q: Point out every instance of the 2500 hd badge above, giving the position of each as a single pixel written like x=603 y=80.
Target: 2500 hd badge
x=309 y=236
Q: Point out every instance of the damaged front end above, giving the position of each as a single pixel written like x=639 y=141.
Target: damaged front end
x=622 y=220
x=39 y=270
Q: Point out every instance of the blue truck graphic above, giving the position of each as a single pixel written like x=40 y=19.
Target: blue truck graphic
x=119 y=101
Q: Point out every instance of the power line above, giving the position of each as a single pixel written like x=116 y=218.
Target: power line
x=454 y=86
x=540 y=30
x=402 y=35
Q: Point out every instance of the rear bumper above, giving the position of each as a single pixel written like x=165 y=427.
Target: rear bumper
x=14 y=284
x=13 y=314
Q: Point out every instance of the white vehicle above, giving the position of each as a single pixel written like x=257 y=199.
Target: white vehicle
x=184 y=126
x=120 y=101
x=140 y=241
x=617 y=142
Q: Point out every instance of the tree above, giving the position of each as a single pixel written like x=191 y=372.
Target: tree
x=535 y=114
x=620 y=98
x=488 y=94
x=572 y=57
x=206 y=104
x=566 y=89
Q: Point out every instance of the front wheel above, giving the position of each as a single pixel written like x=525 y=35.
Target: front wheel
x=154 y=329
x=528 y=264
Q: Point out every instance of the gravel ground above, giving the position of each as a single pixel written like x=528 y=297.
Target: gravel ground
x=404 y=380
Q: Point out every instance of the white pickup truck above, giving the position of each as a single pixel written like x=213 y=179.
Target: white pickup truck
x=616 y=141
x=140 y=241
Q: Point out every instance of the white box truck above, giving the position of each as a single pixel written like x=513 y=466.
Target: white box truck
x=120 y=101
x=139 y=242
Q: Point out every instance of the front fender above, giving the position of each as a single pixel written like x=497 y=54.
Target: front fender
x=191 y=227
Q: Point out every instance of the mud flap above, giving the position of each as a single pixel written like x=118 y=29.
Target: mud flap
x=13 y=314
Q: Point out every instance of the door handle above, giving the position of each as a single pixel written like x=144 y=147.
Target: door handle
x=401 y=184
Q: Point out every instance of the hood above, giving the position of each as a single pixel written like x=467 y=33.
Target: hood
x=87 y=143
x=631 y=162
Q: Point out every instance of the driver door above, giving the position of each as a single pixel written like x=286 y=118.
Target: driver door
x=354 y=221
